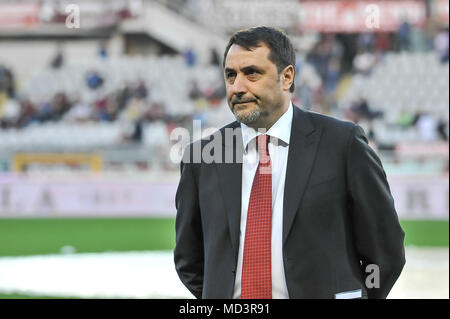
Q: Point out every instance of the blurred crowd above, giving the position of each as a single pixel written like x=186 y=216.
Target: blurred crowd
x=324 y=67
x=320 y=73
x=132 y=104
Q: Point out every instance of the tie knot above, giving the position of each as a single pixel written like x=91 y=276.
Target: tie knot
x=262 y=143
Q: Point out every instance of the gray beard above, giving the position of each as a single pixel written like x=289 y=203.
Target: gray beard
x=249 y=118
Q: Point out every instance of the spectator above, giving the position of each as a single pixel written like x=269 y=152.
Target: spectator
x=334 y=71
x=123 y=96
x=442 y=129
x=382 y=43
x=100 y=107
x=427 y=127
x=194 y=91
x=441 y=45
x=7 y=81
x=102 y=52
x=215 y=58
x=319 y=58
x=28 y=113
x=136 y=136
x=60 y=105
x=190 y=57
x=58 y=60
x=404 y=36
x=405 y=119
x=362 y=110
x=135 y=108
x=94 y=80
x=9 y=113
x=363 y=62
x=366 y=41
x=309 y=82
x=44 y=111
x=132 y=131
x=142 y=90
x=155 y=112
x=80 y=112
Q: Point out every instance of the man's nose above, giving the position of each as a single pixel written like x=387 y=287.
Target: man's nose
x=239 y=86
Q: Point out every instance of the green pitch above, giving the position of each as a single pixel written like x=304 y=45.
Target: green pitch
x=20 y=237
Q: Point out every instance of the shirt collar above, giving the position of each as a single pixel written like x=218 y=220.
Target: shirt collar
x=280 y=130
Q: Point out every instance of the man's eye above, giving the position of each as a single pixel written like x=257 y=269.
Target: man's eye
x=252 y=74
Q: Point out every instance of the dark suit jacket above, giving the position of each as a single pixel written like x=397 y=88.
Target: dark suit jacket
x=338 y=214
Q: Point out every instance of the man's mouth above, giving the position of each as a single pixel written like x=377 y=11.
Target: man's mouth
x=243 y=102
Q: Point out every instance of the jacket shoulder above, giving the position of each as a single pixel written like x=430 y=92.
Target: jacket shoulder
x=334 y=131
x=330 y=122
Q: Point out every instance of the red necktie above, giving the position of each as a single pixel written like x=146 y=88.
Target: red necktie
x=256 y=268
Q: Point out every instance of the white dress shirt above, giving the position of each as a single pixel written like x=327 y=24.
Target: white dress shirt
x=280 y=134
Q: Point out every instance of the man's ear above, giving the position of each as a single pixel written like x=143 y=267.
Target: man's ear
x=287 y=77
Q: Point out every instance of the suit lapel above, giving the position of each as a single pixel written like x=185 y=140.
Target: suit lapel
x=230 y=179
x=303 y=145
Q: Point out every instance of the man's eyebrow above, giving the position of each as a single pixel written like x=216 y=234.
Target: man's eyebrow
x=229 y=70
x=251 y=67
x=245 y=68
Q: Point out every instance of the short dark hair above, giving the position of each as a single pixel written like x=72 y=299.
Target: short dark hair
x=282 y=51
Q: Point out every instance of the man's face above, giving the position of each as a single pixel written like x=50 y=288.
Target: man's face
x=255 y=93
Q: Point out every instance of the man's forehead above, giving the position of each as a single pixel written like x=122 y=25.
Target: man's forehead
x=238 y=56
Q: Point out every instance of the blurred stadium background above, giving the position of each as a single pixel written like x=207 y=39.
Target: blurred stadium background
x=91 y=91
